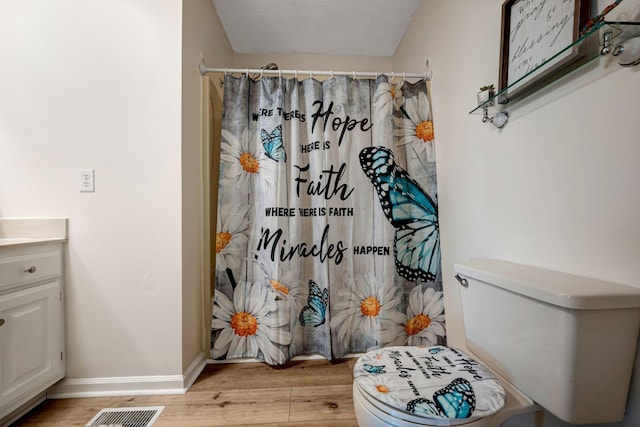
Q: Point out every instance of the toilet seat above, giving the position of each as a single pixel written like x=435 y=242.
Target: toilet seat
x=426 y=386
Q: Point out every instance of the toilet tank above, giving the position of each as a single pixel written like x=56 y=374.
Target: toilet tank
x=568 y=342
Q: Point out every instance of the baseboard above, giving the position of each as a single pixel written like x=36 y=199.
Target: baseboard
x=190 y=375
x=116 y=386
x=128 y=386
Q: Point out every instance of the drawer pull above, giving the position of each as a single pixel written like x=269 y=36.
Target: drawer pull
x=1 y=322
x=31 y=269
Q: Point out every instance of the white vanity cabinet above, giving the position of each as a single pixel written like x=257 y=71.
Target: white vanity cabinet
x=31 y=321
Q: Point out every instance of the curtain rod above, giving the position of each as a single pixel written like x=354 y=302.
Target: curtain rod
x=426 y=75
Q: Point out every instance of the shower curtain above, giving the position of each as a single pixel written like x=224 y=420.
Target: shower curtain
x=327 y=235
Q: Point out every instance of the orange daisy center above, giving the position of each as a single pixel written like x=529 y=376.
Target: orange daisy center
x=249 y=163
x=222 y=240
x=424 y=131
x=416 y=324
x=244 y=324
x=279 y=286
x=370 y=307
x=382 y=389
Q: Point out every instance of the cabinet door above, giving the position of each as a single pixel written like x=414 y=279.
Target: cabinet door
x=30 y=340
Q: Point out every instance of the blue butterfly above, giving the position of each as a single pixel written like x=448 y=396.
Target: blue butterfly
x=425 y=407
x=457 y=400
x=314 y=313
x=273 y=145
x=410 y=210
x=435 y=350
x=374 y=369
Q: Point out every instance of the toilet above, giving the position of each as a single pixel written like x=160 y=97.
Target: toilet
x=535 y=339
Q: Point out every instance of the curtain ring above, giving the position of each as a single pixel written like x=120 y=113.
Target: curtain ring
x=331 y=73
x=404 y=76
x=225 y=71
x=295 y=74
x=279 y=73
x=310 y=74
x=393 y=76
x=247 y=72
x=261 y=72
x=354 y=74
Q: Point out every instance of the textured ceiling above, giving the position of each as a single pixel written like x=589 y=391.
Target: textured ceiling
x=333 y=27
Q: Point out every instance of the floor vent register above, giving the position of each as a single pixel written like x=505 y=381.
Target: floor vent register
x=126 y=417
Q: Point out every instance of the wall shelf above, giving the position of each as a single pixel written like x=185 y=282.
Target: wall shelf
x=603 y=38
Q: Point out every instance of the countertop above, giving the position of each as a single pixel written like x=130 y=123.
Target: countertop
x=16 y=241
x=30 y=231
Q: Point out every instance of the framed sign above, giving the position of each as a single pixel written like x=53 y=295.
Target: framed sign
x=534 y=32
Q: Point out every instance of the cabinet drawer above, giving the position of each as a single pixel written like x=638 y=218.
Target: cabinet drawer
x=16 y=270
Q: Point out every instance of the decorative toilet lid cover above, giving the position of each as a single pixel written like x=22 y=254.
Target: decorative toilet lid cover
x=433 y=382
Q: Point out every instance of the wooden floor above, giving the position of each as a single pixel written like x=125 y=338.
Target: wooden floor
x=311 y=393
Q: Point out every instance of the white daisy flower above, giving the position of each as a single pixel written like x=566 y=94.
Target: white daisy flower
x=249 y=324
x=244 y=158
x=360 y=308
x=283 y=279
x=421 y=326
x=231 y=236
x=415 y=126
x=387 y=98
x=387 y=388
x=421 y=170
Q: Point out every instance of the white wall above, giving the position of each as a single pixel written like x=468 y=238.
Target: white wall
x=314 y=62
x=94 y=84
x=556 y=188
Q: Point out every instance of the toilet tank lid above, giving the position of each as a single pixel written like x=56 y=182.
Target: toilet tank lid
x=554 y=287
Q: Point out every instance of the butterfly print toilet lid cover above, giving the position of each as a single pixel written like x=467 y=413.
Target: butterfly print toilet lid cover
x=431 y=382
